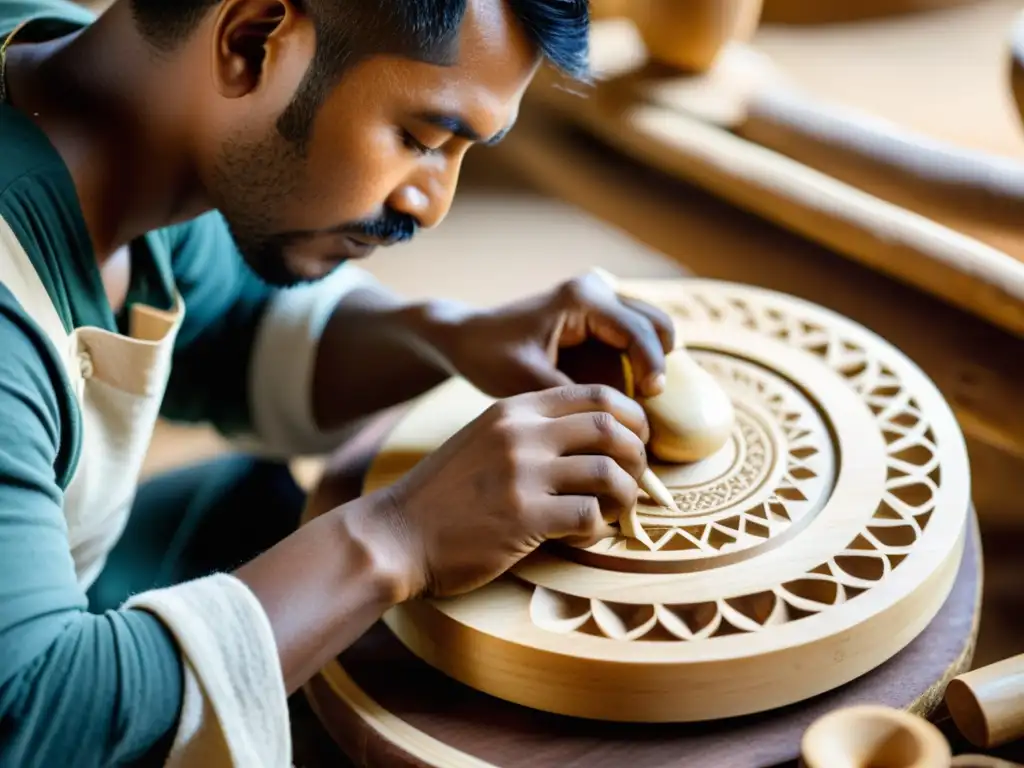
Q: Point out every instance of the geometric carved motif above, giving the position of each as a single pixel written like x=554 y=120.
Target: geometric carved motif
x=775 y=470
x=899 y=519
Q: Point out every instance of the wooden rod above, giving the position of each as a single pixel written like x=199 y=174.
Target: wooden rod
x=987 y=704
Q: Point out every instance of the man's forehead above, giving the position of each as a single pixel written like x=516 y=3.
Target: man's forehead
x=494 y=62
x=491 y=35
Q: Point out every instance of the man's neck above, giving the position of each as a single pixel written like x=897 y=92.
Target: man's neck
x=103 y=100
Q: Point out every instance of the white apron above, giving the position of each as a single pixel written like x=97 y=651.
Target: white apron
x=235 y=711
x=119 y=382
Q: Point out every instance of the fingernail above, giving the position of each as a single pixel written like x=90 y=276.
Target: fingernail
x=655 y=384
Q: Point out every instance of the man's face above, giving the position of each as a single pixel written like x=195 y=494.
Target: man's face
x=384 y=154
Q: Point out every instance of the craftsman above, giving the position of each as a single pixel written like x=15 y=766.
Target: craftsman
x=181 y=185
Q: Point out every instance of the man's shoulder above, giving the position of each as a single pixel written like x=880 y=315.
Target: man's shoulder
x=39 y=203
x=49 y=17
x=25 y=148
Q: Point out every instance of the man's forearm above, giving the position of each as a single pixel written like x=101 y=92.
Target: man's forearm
x=326 y=584
x=378 y=351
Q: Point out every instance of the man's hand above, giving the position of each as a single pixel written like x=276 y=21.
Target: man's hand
x=552 y=461
x=509 y=350
x=555 y=464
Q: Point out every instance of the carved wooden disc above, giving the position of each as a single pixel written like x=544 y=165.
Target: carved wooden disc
x=816 y=544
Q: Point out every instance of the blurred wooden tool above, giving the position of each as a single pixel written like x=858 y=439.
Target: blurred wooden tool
x=937 y=215
x=987 y=704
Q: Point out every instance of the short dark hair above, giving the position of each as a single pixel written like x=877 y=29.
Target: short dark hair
x=349 y=30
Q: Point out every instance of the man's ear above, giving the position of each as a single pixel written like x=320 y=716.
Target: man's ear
x=247 y=39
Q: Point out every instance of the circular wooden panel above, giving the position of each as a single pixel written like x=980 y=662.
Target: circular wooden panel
x=385 y=707
x=824 y=554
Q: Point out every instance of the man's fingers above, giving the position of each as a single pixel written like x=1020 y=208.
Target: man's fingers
x=617 y=323
x=598 y=434
x=660 y=319
x=644 y=333
x=589 y=398
x=575 y=519
x=629 y=325
x=598 y=476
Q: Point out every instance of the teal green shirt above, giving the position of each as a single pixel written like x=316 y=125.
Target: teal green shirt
x=78 y=689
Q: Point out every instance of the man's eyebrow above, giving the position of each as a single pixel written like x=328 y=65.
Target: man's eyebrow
x=458 y=126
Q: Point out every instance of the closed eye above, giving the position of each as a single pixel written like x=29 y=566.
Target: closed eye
x=416 y=145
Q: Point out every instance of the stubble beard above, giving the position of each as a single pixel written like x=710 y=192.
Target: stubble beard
x=252 y=181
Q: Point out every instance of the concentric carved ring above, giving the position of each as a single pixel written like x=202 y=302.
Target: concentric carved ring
x=764 y=485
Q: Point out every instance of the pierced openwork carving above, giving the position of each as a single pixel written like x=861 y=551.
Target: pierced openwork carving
x=824 y=535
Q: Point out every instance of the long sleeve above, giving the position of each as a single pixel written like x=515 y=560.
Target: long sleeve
x=75 y=688
x=245 y=355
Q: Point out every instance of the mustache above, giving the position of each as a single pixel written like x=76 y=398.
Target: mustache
x=389 y=228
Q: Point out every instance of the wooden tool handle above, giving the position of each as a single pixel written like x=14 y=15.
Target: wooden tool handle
x=974 y=192
x=693 y=417
x=987 y=704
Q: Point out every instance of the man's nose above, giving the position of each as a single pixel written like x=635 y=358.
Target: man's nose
x=426 y=196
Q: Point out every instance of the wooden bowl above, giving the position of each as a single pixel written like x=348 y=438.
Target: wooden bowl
x=874 y=737
x=690 y=35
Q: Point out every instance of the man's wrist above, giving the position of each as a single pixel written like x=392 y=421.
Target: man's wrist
x=435 y=329
x=386 y=561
